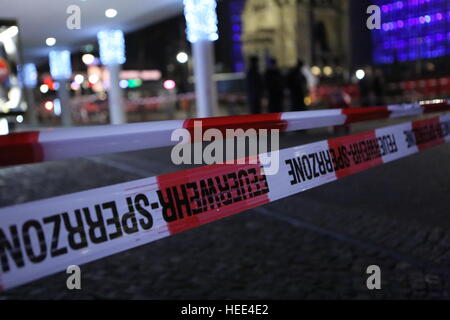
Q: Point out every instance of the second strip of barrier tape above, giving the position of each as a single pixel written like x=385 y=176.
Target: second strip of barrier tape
x=66 y=143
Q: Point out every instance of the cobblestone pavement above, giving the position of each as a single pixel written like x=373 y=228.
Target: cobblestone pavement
x=314 y=245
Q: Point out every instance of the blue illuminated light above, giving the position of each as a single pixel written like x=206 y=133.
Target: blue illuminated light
x=60 y=66
x=57 y=107
x=236 y=7
x=112 y=47
x=201 y=20
x=411 y=30
x=30 y=75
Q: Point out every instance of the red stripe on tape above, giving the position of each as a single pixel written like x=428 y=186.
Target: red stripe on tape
x=19 y=148
x=428 y=133
x=218 y=191
x=365 y=114
x=257 y=121
x=436 y=107
x=355 y=153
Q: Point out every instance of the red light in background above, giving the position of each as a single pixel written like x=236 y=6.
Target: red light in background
x=49 y=82
x=169 y=84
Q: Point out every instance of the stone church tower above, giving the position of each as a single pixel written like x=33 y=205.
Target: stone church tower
x=316 y=31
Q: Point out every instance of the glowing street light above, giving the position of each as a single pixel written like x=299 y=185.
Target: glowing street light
x=50 y=41
x=315 y=70
x=123 y=84
x=43 y=88
x=88 y=59
x=182 y=57
x=360 y=74
x=328 y=71
x=79 y=78
x=93 y=78
x=110 y=13
x=48 y=105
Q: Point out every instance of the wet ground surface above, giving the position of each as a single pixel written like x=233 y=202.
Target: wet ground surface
x=314 y=245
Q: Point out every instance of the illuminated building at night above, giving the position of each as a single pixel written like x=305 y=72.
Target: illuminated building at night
x=412 y=30
x=312 y=30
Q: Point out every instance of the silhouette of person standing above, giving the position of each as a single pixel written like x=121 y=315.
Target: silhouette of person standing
x=378 y=87
x=254 y=86
x=365 y=88
x=274 y=85
x=297 y=86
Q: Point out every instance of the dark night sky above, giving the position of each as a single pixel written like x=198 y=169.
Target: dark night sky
x=360 y=35
x=156 y=46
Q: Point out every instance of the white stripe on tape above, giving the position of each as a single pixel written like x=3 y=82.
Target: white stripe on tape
x=107 y=139
x=301 y=120
x=299 y=167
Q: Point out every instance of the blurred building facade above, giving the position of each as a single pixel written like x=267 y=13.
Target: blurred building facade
x=315 y=31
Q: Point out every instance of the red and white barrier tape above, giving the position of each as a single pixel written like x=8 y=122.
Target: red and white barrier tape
x=43 y=237
x=58 y=144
